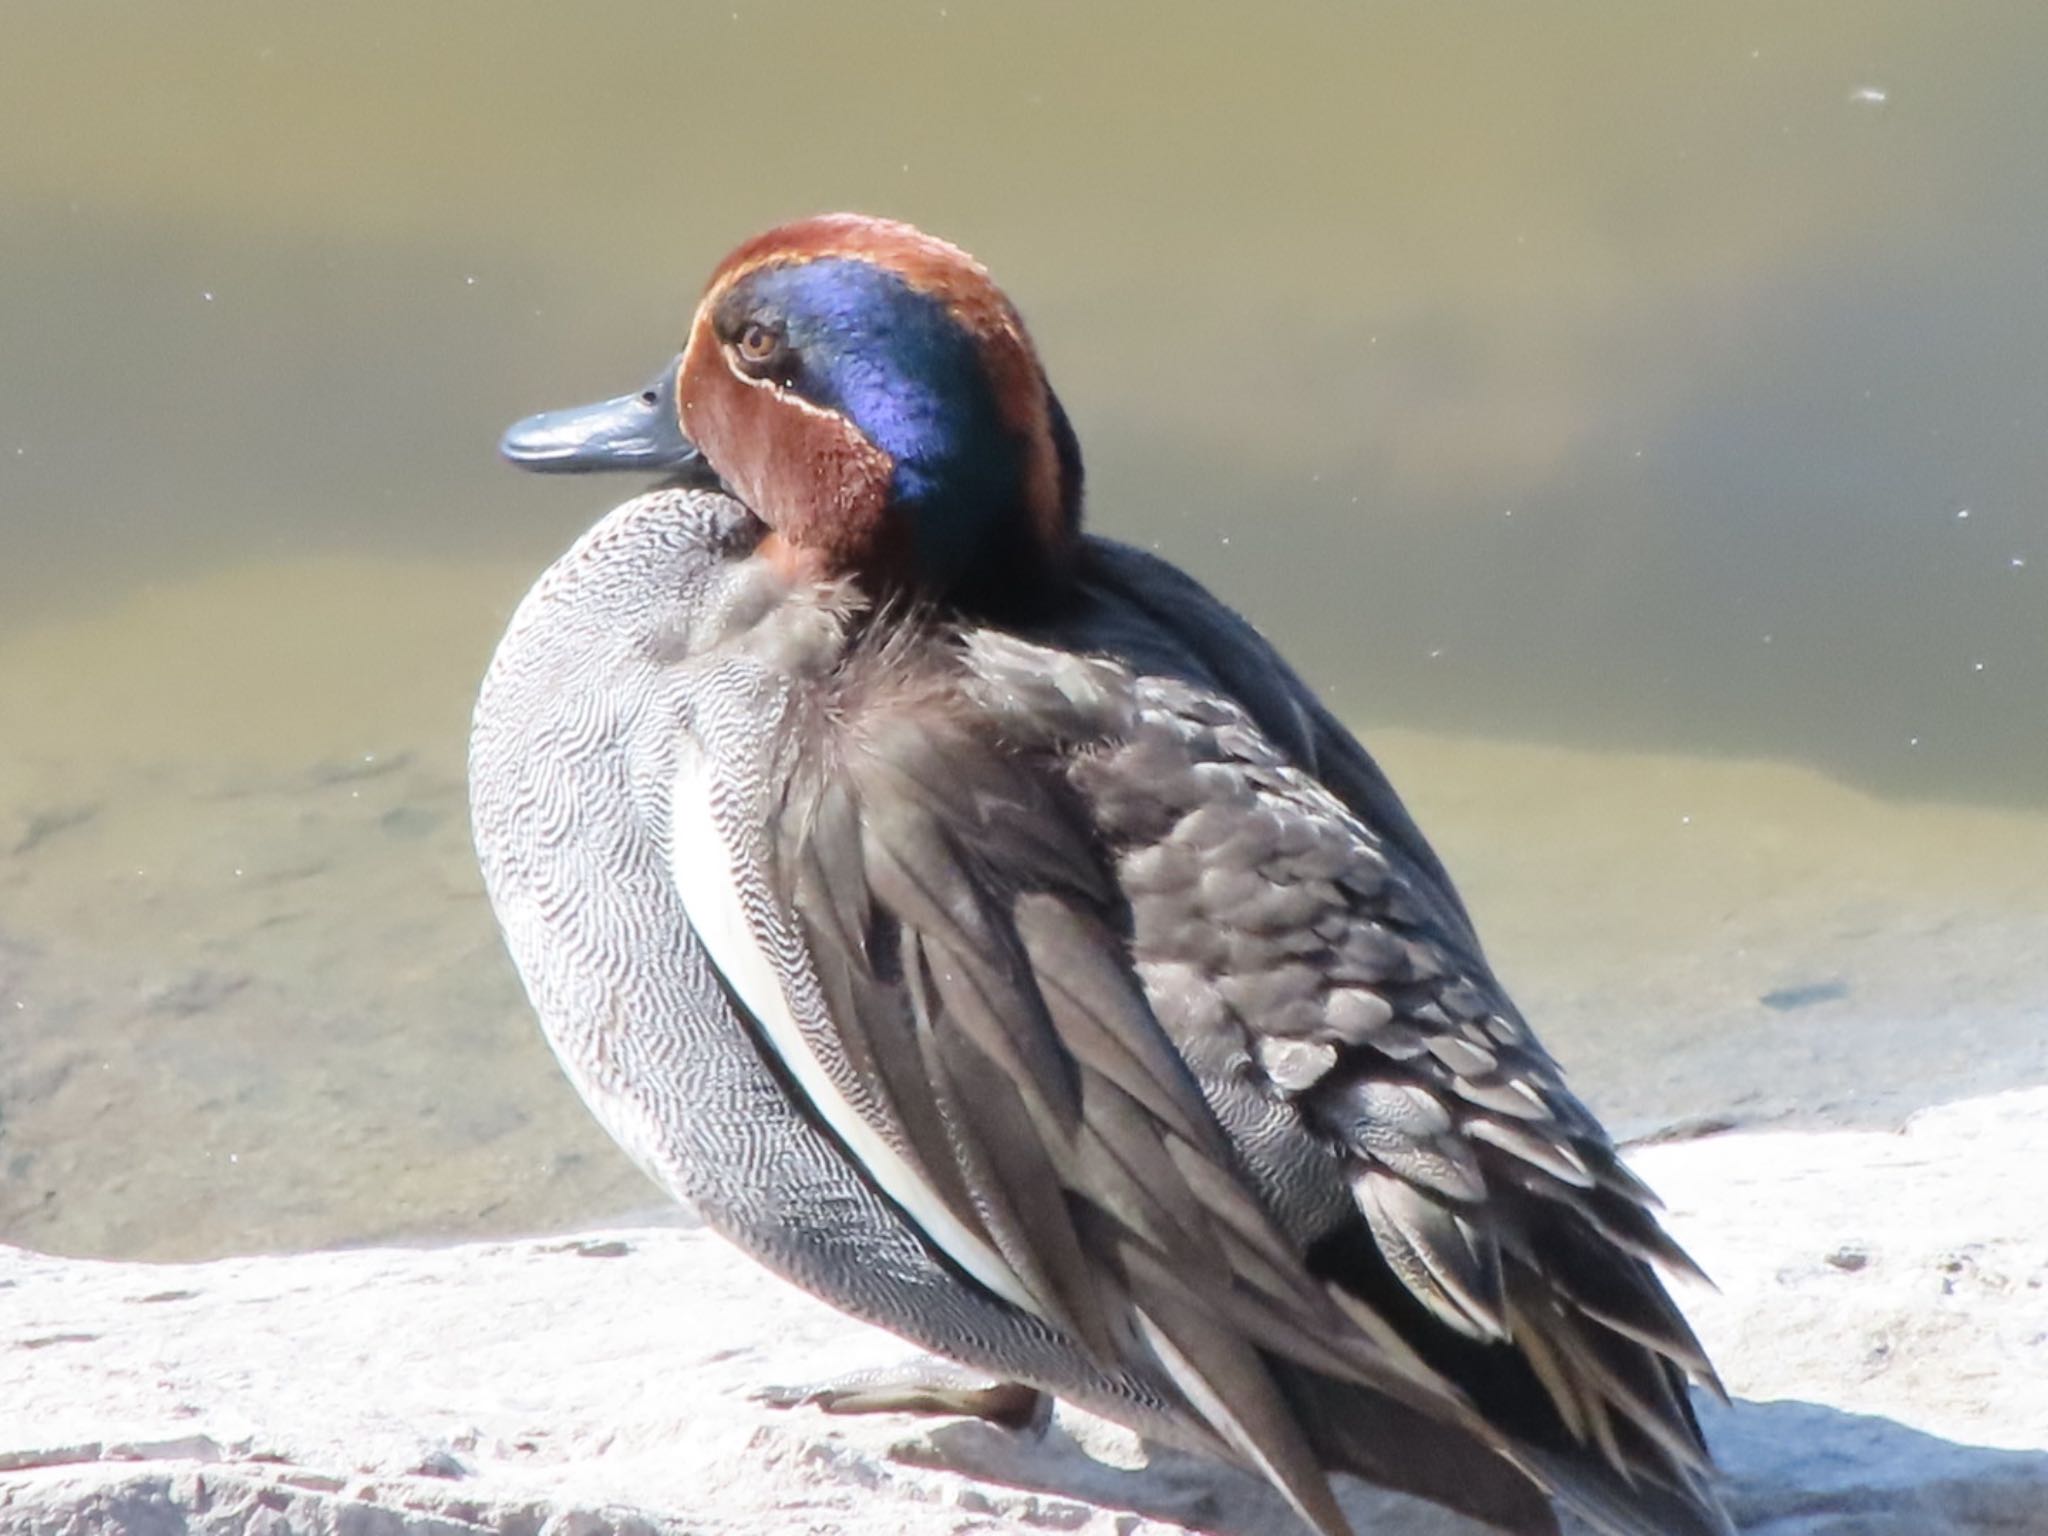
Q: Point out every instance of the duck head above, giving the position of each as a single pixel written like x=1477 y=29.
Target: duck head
x=873 y=398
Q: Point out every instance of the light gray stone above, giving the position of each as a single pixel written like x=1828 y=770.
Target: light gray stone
x=1882 y=1319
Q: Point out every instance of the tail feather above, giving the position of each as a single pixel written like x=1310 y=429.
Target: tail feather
x=1370 y=1436
x=1615 y=1506
x=1573 y=1406
x=1515 y=1487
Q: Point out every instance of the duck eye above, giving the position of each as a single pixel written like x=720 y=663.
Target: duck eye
x=758 y=344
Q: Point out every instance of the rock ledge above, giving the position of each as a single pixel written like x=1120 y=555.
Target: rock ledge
x=1883 y=1319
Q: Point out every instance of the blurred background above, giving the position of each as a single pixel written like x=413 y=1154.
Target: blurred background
x=1635 y=420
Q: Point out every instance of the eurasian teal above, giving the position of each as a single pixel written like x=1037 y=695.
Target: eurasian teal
x=982 y=926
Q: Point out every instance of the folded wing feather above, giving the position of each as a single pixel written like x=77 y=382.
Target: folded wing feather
x=1129 y=1015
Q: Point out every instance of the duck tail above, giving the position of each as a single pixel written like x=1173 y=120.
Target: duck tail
x=1614 y=1506
x=1371 y=1436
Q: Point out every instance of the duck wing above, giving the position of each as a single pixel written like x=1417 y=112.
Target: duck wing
x=1287 y=914
x=907 y=896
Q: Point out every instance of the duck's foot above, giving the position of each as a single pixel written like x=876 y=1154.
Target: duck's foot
x=925 y=1384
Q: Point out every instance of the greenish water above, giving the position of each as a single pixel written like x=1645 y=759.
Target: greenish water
x=1661 y=389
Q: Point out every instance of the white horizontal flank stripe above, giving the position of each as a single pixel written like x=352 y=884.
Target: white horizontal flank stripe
x=701 y=864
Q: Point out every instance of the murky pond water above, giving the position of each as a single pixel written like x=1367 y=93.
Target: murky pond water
x=1635 y=419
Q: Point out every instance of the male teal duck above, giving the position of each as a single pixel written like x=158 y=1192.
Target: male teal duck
x=983 y=927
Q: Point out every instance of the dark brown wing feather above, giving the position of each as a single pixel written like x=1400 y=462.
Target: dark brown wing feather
x=973 y=949
x=1287 y=942
x=1217 y=1072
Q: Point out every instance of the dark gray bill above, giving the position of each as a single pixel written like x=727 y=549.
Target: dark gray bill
x=638 y=432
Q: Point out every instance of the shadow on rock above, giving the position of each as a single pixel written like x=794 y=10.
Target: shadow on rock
x=1793 y=1469
x=1803 y=1469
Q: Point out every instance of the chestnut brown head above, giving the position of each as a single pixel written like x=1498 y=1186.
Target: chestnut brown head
x=870 y=394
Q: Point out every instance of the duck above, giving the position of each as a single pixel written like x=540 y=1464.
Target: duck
x=984 y=927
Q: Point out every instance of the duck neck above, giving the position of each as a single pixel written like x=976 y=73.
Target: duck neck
x=1001 y=543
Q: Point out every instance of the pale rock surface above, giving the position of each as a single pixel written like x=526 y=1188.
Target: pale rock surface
x=1882 y=1319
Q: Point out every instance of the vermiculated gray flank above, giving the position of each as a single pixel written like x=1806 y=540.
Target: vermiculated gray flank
x=1106 y=932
